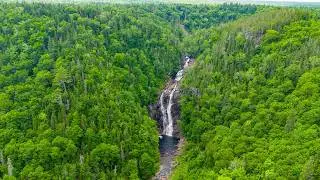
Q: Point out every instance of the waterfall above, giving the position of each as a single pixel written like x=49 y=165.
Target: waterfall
x=169 y=127
x=166 y=107
x=179 y=75
x=169 y=139
x=163 y=112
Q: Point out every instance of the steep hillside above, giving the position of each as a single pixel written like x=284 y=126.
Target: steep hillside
x=250 y=105
x=75 y=82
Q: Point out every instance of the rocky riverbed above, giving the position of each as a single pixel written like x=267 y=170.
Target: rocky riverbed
x=166 y=112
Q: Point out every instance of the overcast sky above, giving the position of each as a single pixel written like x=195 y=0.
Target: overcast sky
x=289 y=0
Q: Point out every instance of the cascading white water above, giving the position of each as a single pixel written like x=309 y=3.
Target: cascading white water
x=186 y=63
x=163 y=112
x=169 y=139
x=166 y=111
x=179 y=76
x=169 y=127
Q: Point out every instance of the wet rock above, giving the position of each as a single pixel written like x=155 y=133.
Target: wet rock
x=155 y=113
x=167 y=112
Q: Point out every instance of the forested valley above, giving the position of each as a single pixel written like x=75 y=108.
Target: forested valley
x=76 y=81
x=250 y=106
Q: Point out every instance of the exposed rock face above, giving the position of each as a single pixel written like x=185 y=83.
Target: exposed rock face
x=157 y=112
x=166 y=112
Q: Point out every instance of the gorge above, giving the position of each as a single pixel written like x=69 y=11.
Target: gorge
x=105 y=91
x=170 y=138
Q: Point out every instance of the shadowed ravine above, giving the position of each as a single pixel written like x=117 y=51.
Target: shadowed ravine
x=166 y=112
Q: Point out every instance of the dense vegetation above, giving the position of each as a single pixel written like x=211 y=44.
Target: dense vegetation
x=74 y=85
x=250 y=105
x=194 y=17
x=75 y=81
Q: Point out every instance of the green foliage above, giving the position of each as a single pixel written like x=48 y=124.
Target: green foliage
x=76 y=80
x=74 y=85
x=194 y=17
x=256 y=115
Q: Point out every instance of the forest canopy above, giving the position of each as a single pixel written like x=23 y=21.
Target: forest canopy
x=256 y=111
x=76 y=80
